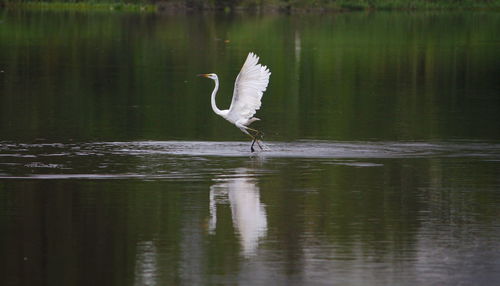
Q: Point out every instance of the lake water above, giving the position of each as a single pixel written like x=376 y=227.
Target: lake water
x=381 y=163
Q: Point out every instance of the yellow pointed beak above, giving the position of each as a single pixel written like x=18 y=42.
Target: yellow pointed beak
x=202 y=75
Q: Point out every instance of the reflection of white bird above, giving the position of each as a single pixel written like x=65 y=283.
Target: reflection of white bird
x=248 y=213
x=146 y=267
x=249 y=87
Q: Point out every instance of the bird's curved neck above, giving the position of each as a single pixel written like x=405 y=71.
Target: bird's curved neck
x=214 y=93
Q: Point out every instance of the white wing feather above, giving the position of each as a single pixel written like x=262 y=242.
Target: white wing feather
x=249 y=87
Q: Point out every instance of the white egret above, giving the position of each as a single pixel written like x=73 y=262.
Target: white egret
x=249 y=87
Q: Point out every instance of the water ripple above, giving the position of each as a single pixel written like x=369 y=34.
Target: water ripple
x=202 y=159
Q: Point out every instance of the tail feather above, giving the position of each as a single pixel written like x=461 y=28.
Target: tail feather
x=253 y=119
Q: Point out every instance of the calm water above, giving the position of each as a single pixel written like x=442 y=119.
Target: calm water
x=381 y=166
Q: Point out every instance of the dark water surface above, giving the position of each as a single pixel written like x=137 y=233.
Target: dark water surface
x=381 y=163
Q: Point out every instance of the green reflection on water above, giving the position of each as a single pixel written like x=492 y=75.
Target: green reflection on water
x=353 y=76
x=325 y=222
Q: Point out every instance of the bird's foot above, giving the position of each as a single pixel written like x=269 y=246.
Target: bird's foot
x=256 y=136
x=258 y=144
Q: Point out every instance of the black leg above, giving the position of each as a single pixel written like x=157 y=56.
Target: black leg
x=258 y=144
x=260 y=135
x=253 y=142
x=255 y=136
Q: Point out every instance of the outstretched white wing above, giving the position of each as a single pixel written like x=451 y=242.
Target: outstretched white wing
x=250 y=84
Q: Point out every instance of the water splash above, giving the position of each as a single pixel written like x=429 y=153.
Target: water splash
x=152 y=160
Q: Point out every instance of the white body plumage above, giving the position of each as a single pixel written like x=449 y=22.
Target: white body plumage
x=249 y=87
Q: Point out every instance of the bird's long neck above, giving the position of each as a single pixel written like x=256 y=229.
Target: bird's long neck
x=214 y=93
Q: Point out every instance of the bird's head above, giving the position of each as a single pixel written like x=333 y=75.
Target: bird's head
x=208 y=75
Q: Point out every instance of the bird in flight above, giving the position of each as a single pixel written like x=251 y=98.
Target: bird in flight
x=249 y=87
